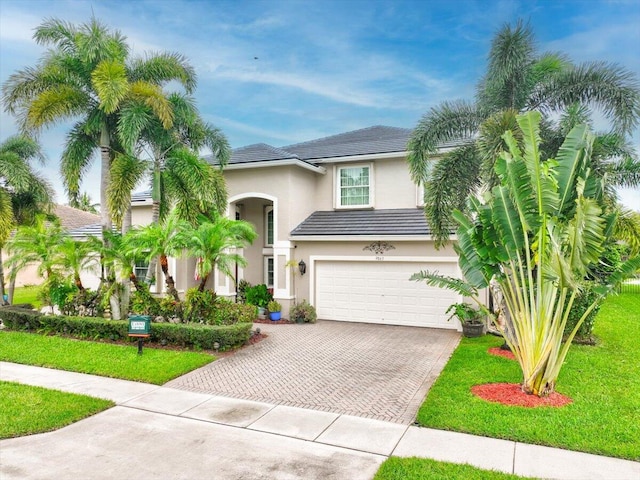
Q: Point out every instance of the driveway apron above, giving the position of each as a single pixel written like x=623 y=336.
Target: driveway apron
x=381 y=372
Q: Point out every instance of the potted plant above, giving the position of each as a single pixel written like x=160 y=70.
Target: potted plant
x=259 y=296
x=274 y=310
x=471 y=319
x=303 y=312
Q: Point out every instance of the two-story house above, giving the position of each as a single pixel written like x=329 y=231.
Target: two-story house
x=340 y=224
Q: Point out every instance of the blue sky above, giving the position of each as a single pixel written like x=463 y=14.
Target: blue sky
x=324 y=67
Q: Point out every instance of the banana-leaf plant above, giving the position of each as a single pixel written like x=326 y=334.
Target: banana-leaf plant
x=536 y=235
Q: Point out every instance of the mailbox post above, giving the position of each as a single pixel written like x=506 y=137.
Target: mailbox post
x=140 y=328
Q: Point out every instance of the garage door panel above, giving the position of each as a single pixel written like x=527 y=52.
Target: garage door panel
x=381 y=292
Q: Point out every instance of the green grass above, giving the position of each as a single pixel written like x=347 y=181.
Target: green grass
x=603 y=381
x=27 y=295
x=155 y=366
x=395 y=468
x=25 y=410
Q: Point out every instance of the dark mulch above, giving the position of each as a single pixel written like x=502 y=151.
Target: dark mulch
x=512 y=394
x=282 y=321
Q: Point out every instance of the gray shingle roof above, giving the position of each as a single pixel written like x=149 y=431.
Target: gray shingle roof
x=82 y=232
x=378 y=139
x=401 y=221
x=366 y=141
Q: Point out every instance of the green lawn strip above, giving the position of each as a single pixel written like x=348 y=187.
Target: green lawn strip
x=25 y=410
x=603 y=381
x=395 y=468
x=27 y=295
x=156 y=366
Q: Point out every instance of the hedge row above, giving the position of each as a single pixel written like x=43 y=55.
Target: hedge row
x=176 y=334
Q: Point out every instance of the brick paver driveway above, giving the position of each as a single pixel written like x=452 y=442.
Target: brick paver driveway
x=373 y=371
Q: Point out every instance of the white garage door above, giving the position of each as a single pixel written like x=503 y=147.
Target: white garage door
x=381 y=292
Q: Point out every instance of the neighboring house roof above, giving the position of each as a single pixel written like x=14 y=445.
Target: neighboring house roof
x=399 y=221
x=72 y=218
x=87 y=230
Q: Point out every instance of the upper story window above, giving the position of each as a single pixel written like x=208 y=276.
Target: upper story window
x=354 y=186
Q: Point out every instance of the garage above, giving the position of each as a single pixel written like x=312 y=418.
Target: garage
x=381 y=292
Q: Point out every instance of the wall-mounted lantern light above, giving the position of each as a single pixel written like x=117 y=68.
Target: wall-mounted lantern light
x=302 y=267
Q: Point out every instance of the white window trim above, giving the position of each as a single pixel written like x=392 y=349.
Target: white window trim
x=337 y=189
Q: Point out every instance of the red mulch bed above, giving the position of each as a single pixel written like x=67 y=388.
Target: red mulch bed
x=512 y=394
x=500 y=352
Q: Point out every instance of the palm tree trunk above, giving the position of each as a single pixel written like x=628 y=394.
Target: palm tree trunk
x=155 y=211
x=2 y=302
x=203 y=282
x=78 y=282
x=171 y=284
x=126 y=220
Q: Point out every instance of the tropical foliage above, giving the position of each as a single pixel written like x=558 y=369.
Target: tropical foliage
x=23 y=192
x=88 y=75
x=518 y=79
x=536 y=235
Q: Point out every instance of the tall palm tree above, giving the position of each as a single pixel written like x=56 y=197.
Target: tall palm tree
x=23 y=192
x=213 y=242
x=88 y=75
x=180 y=179
x=518 y=79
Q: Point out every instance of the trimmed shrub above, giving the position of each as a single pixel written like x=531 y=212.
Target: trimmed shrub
x=198 y=306
x=303 y=312
x=227 y=313
x=183 y=335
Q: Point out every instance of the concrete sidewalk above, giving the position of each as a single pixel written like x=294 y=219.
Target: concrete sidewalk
x=160 y=432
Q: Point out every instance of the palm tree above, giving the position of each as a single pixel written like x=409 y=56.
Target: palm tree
x=180 y=179
x=213 y=244
x=35 y=244
x=88 y=75
x=75 y=256
x=536 y=235
x=160 y=240
x=518 y=79
x=23 y=192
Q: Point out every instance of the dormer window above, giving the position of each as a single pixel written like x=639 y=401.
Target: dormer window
x=354 y=186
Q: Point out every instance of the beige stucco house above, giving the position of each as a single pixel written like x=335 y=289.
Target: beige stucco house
x=346 y=209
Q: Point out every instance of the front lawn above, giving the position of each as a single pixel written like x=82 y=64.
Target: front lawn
x=25 y=410
x=155 y=366
x=28 y=294
x=396 y=468
x=603 y=381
